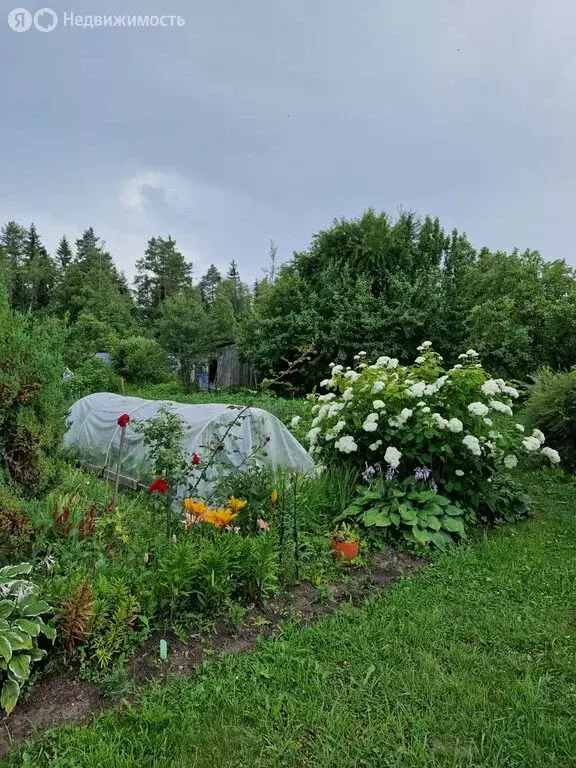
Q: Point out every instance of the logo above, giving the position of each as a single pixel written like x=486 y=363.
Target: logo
x=20 y=20
x=45 y=20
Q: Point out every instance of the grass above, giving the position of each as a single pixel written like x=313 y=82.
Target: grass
x=470 y=663
x=283 y=408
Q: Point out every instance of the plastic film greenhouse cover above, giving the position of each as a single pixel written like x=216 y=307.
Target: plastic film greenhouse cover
x=93 y=436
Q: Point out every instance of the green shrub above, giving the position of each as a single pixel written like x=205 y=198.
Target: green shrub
x=551 y=407
x=91 y=375
x=139 y=359
x=32 y=399
x=16 y=529
x=455 y=426
x=21 y=624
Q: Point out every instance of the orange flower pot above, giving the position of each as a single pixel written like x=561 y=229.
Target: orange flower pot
x=345 y=551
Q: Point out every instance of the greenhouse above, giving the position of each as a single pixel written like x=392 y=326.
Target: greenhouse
x=244 y=437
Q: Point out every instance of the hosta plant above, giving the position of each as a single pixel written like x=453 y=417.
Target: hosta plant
x=411 y=507
x=456 y=424
x=22 y=621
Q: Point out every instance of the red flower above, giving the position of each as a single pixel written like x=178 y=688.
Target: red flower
x=158 y=485
x=195 y=459
x=123 y=420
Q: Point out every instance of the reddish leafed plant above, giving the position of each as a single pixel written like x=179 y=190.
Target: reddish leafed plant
x=75 y=617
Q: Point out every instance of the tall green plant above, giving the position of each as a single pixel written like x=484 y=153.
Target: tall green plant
x=32 y=401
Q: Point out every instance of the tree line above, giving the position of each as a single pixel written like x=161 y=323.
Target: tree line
x=373 y=283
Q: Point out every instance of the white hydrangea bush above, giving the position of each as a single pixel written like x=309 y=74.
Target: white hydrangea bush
x=458 y=423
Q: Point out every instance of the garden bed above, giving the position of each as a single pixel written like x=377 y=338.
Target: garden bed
x=63 y=699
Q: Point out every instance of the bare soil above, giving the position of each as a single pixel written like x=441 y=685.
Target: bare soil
x=63 y=699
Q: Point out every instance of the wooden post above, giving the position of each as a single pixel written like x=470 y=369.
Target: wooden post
x=118 y=467
x=122 y=387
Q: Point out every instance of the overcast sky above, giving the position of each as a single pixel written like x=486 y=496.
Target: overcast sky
x=266 y=119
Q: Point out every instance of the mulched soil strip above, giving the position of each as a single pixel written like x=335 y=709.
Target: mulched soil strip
x=63 y=699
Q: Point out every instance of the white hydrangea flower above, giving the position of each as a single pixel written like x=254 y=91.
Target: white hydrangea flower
x=378 y=387
x=426 y=409
x=531 y=444
x=551 y=454
x=330 y=435
x=371 y=423
x=362 y=353
x=335 y=408
x=510 y=461
x=419 y=360
x=346 y=444
x=316 y=421
x=363 y=365
x=295 y=421
x=352 y=375
x=463 y=356
x=378 y=405
x=455 y=425
x=520 y=427
x=426 y=344
x=315 y=408
x=417 y=389
x=392 y=456
x=457 y=367
x=511 y=391
x=338 y=427
x=430 y=389
x=348 y=395
x=471 y=353
x=325 y=382
x=439 y=421
x=473 y=445
x=421 y=404
x=392 y=363
x=336 y=370
x=375 y=446
x=487 y=421
x=490 y=387
x=313 y=435
x=496 y=405
x=459 y=473
x=478 y=409
x=539 y=436
x=326 y=398
x=401 y=419
x=382 y=362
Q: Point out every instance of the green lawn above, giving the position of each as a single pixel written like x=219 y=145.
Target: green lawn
x=470 y=663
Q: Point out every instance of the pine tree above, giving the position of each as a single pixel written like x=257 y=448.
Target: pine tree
x=92 y=285
x=39 y=272
x=12 y=242
x=233 y=273
x=209 y=284
x=64 y=254
x=161 y=273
